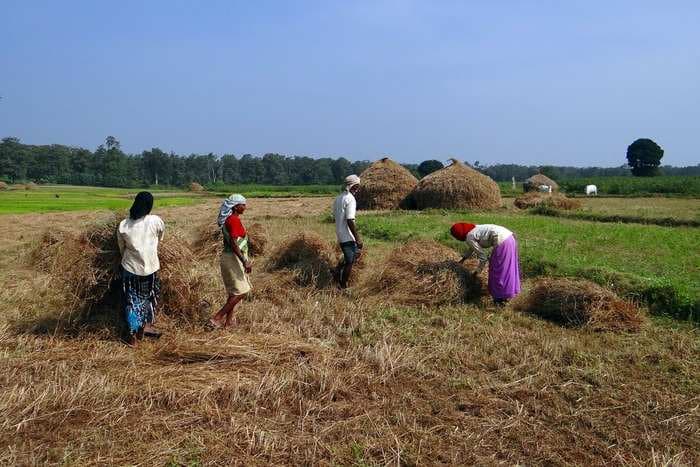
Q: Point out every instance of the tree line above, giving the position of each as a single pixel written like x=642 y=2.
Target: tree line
x=108 y=165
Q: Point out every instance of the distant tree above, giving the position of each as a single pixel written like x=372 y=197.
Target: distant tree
x=644 y=156
x=550 y=171
x=112 y=143
x=428 y=167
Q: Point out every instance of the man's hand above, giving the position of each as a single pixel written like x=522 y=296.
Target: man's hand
x=359 y=244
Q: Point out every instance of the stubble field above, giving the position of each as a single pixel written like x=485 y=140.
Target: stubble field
x=312 y=376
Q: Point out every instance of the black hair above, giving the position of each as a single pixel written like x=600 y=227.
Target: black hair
x=143 y=203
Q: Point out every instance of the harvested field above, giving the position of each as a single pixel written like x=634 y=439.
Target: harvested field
x=576 y=302
x=532 y=199
x=310 y=376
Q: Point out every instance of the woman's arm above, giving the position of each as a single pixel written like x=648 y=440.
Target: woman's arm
x=480 y=253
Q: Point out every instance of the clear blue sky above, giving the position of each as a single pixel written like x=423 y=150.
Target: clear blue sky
x=532 y=82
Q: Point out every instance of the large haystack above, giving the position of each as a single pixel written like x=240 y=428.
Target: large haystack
x=578 y=302
x=3 y=186
x=457 y=186
x=424 y=272
x=533 y=183
x=84 y=267
x=209 y=242
x=30 y=186
x=386 y=185
x=533 y=199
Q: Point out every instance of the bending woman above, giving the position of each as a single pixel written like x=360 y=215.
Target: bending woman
x=504 y=268
x=138 y=238
x=235 y=263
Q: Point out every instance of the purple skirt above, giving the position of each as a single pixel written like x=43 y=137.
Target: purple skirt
x=504 y=270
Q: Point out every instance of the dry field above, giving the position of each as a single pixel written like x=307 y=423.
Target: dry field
x=322 y=377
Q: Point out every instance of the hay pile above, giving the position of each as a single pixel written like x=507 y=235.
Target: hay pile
x=424 y=272
x=30 y=186
x=209 y=242
x=457 y=186
x=195 y=187
x=533 y=183
x=578 y=302
x=386 y=185
x=3 y=186
x=84 y=268
x=308 y=257
x=533 y=199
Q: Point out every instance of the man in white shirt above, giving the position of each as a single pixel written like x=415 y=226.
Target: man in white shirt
x=344 y=208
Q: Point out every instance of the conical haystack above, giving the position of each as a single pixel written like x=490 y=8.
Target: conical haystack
x=532 y=183
x=457 y=186
x=386 y=185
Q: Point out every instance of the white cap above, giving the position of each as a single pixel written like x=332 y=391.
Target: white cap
x=352 y=180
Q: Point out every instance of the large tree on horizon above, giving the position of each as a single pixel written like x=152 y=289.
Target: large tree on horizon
x=644 y=156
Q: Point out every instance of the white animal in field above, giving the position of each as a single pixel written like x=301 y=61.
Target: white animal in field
x=544 y=188
x=591 y=190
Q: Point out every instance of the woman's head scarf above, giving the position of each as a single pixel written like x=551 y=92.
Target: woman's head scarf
x=143 y=203
x=227 y=207
x=460 y=230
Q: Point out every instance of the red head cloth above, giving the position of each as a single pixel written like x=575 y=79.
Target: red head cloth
x=460 y=230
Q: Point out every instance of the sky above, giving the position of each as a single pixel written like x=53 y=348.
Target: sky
x=525 y=82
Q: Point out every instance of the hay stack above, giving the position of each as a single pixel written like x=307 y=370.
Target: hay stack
x=209 y=242
x=3 y=186
x=533 y=199
x=195 y=187
x=308 y=257
x=30 y=186
x=424 y=272
x=532 y=183
x=457 y=186
x=386 y=185
x=84 y=267
x=578 y=302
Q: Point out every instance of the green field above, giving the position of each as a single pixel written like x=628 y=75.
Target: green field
x=648 y=263
x=54 y=198
x=274 y=191
x=635 y=186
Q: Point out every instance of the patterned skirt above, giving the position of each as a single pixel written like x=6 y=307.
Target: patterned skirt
x=139 y=299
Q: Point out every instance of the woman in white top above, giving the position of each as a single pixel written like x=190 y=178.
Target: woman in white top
x=138 y=238
x=504 y=268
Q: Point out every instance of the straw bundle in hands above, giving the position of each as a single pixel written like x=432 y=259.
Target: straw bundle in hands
x=457 y=186
x=85 y=268
x=578 y=302
x=425 y=272
x=386 y=185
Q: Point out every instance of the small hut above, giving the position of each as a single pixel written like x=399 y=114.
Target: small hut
x=386 y=185
x=533 y=183
x=457 y=186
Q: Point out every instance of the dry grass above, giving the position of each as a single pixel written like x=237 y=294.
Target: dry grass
x=533 y=199
x=209 y=241
x=424 y=273
x=533 y=183
x=577 y=302
x=195 y=187
x=457 y=186
x=308 y=257
x=311 y=377
x=386 y=185
x=3 y=186
x=30 y=186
